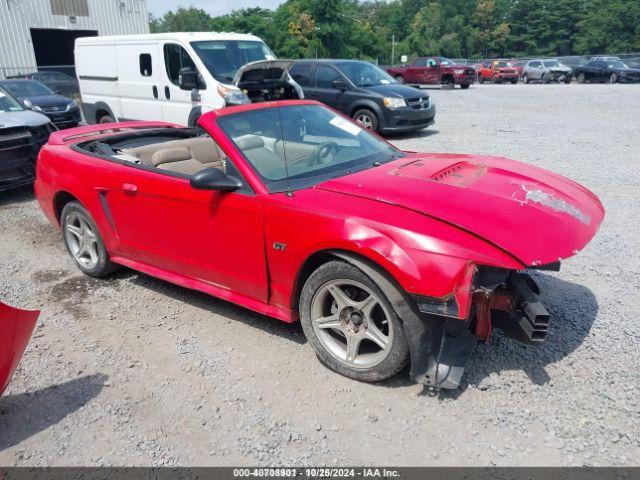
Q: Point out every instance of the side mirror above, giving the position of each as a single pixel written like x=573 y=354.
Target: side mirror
x=339 y=85
x=213 y=179
x=187 y=78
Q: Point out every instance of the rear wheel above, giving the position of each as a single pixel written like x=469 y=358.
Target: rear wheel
x=83 y=241
x=367 y=119
x=106 y=119
x=613 y=78
x=447 y=82
x=351 y=325
x=582 y=78
x=525 y=78
x=399 y=79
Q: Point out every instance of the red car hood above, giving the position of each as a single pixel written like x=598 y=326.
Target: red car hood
x=16 y=327
x=536 y=216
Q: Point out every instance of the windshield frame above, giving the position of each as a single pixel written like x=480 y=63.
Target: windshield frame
x=313 y=177
x=12 y=100
x=222 y=77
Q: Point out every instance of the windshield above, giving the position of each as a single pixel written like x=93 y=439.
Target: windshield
x=317 y=144
x=615 y=64
x=552 y=63
x=8 y=103
x=445 y=62
x=27 y=88
x=501 y=64
x=223 y=58
x=363 y=74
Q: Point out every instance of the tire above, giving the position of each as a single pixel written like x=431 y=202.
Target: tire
x=106 y=119
x=371 y=362
x=582 y=78
x=367 y=119
x=480 y=79
x=399 y=79
x=568 y=79
x=545 y=78
x=613 y=78
x=525 y=78
x=447 y=82
x=514 y=81
x=84 y=242
x=464 y=86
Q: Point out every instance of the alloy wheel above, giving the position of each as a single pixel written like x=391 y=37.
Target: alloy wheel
x=365 y=120
x=352 y=323
x=82 y=240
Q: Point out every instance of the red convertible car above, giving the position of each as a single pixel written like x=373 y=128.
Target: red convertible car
x=294 y=211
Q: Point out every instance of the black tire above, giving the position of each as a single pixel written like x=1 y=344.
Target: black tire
x=104 y=265
x=447 y=81
x=568 y=79
x=514 y=81
x=106 y=119
x=399 y=79
x=398 y=354
x=582 y=78
x=361 y=115
x=464 y=86
x=525 y=78
x=480 y=79
x=613 y=78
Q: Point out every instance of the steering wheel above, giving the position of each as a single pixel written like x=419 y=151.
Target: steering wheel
x=323 y=153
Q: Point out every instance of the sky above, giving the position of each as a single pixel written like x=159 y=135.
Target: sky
x=213 y=7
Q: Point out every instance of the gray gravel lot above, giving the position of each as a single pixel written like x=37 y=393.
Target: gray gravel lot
x=135 y=371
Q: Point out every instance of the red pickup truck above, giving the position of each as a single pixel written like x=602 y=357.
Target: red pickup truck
x=433 y=71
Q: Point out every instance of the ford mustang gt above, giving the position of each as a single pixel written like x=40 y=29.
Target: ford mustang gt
x=292 y=210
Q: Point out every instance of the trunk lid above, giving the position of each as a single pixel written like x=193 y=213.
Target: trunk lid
x=536 y=216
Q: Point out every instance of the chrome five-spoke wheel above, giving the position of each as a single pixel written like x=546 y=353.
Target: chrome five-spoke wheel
x=82 y=240
x=352 y=323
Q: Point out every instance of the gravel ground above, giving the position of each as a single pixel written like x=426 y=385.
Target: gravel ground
x=135 y=371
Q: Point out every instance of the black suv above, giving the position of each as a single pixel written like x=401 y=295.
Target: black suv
x=366 y=93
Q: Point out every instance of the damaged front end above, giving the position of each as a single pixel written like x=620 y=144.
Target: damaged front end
x=501 y=299
x=16 y=327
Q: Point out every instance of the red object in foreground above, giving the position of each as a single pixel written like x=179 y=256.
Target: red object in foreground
x=294 y=211
x=16 y=327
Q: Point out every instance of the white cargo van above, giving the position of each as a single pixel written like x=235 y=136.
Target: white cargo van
x=174 y=77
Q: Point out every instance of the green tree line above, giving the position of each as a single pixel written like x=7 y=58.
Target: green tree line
x=453 y=28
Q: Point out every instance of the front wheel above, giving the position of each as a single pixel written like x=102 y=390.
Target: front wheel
x=582 y=78
x=525 y=78
x=367 y=119
x=350 y=324
x=514 y=81
x=84 y=242
x=613 y=78
x=464 y=86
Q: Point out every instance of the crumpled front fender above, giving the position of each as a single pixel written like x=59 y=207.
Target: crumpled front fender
x=16 y=327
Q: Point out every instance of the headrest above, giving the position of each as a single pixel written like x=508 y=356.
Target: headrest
x=249 y=143
x=169 y=155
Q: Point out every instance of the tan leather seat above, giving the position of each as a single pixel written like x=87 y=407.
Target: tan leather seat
x=186 y=156
x=268 y=164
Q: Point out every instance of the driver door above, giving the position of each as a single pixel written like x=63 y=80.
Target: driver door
x=213 y=237
x=322 y=88
x=176 y=103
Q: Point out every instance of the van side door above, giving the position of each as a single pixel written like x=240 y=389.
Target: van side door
x=176 y=103
x=139 y=77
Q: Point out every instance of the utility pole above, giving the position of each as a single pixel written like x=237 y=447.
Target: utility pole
x=393 y=49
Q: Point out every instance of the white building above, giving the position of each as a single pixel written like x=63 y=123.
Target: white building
x=40 y=34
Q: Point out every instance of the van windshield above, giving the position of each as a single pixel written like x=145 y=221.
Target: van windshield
x=223 y=58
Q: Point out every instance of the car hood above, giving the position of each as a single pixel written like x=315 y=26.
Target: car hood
x=25 y=118
x=47 y=100
x=536 y=216
x=393 y=90
x=560 y=69
x=16 y=327
x=628 y=71
x=263 y=70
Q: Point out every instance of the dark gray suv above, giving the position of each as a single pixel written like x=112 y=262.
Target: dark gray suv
x=366 y=93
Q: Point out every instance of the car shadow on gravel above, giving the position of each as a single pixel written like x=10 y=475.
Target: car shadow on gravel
x=216 y=306
x=18 y=195
x=573 y=310
x=25 y=414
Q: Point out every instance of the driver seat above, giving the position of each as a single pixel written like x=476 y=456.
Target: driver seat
x=268 y=164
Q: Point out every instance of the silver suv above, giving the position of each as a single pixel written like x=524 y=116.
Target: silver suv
x=22 y=133
x=545 y=71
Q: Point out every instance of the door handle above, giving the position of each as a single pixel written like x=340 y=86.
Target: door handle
x=167 y=93
x=129 y=187
x=155 y=92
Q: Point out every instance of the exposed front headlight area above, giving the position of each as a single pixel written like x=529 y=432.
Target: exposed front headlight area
x=232 y=95
x=394 y=102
